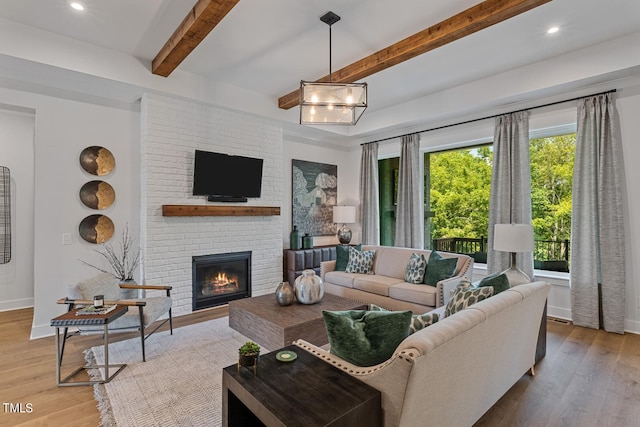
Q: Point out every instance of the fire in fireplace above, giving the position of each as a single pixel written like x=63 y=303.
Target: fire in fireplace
x=220 y=278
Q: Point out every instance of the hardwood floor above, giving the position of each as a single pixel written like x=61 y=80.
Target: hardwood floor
x=588 y=378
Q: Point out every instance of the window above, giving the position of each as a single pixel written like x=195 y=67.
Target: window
x=457 y=187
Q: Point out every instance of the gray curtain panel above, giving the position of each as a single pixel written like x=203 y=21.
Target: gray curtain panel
x=409 y=212
x=5 y=215
x=510 y=198
x=597 y=222
x=369 y=199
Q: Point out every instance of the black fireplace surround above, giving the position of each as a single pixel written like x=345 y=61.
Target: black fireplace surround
x=220 y=278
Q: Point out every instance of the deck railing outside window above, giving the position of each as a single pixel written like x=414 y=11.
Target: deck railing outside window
x=548 y=254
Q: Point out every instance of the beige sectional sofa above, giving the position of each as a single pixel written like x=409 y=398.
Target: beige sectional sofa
x=387 y=287
x=452 y=372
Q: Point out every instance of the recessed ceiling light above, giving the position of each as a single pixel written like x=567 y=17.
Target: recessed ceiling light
x=76 y=5
x=553 y=30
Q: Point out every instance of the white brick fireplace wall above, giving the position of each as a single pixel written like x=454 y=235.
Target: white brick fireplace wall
x=172 y=129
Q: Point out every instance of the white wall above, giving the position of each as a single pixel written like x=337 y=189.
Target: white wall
x=171 y=131
x=16 y=153
x=348 y=163
x=63 y=128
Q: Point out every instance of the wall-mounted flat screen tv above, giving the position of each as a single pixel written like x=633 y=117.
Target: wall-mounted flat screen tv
x=226 y=178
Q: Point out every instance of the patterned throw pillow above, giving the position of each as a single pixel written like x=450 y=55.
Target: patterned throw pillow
x=465 y=296
x=366 y=338
x=439 y=268
x=418 y=321
x=421 y=321
x=415 y=269
x=360 y=261
x=342 y=256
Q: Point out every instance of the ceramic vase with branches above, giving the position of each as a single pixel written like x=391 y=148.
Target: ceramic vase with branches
x=122 y=259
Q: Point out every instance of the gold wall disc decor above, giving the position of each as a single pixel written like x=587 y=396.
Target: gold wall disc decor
x=97 y=160
x=96 y=228
x=97 y=194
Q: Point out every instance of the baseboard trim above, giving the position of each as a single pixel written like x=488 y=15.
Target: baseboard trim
x=16 y=304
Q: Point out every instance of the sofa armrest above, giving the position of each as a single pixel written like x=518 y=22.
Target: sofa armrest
x=444 y=287
x=327 y=266
x=390 y=377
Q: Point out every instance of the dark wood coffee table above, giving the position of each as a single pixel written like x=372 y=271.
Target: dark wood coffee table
x=306 y=392
x=273 y=326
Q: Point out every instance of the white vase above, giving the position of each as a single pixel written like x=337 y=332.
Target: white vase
x=308 y=288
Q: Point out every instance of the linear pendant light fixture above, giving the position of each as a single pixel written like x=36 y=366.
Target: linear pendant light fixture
x=331 y=103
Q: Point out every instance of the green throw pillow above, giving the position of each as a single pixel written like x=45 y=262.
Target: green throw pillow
x=439 y=268
x=342 y=256
x=499 y=282
x=414 y=273
x=360 y=261
x=366 y=338
x=465 y=296
x=418 y=321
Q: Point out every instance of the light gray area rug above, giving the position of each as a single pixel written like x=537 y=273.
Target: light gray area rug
x=180 y=384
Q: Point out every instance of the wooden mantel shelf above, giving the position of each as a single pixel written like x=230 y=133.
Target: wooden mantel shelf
x=206 y=210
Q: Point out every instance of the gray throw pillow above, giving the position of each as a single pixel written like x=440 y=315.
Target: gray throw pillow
x=366 y=338
x=342 y=256
x=498 y=281
x=360 y=261
x=414 y=273
x=439 y=268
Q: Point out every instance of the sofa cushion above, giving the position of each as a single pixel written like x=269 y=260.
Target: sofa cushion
x=414 y=273
x=340 y=278
x=366 y=338
x=498 y=281
x=418 y=321
x=418 y=294
x=342 y=256
x=465 y=296
x=375 y=283
x=439 y=268
x=392 y=261
x=360 y=261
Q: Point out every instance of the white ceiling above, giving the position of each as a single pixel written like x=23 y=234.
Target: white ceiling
x=267 y=47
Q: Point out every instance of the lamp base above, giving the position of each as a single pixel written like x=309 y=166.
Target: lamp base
x=515 y=275
x=344 y=235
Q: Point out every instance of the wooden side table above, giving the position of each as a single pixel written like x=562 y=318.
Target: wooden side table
x=306 y=392
x=70 y=318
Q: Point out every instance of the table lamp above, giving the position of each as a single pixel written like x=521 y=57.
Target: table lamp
x=344 y=215
x=514 y=238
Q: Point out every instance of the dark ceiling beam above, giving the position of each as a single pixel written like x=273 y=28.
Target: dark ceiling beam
x=198 y=23
x=476 y=18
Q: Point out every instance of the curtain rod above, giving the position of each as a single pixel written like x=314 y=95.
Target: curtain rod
x=489 y=117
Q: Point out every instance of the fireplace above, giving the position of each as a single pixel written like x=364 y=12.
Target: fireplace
x=220 y=278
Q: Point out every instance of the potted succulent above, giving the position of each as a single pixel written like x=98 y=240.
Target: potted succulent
x=249 y=356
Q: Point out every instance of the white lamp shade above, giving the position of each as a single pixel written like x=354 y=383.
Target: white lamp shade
x=513 y=238
x=344 y=214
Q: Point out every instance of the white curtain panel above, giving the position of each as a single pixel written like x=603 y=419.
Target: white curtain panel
x=510 y=198
x=597 y=222
x=409 y=212
x=369 y=198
